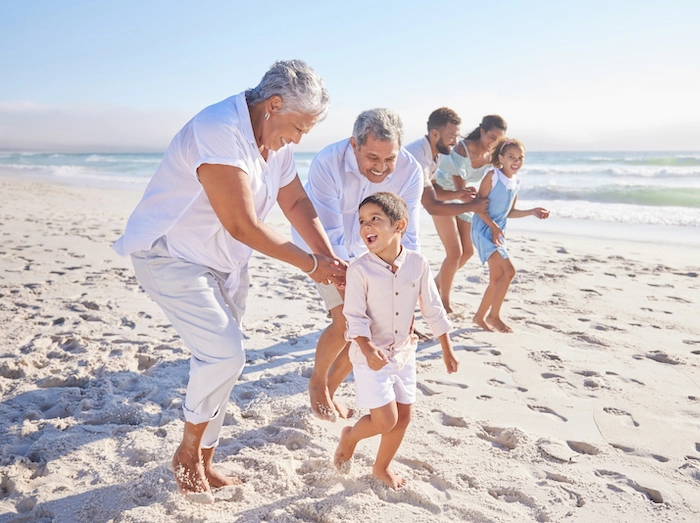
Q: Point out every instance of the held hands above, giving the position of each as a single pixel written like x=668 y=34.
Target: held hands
x=479 y=205
x=467 y=194
x=329 y=270
x=540 y=212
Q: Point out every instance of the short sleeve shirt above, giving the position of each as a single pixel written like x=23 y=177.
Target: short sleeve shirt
x=420 y=149
x=175 y=204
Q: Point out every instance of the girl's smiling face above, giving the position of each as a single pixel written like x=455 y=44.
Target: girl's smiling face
x=511 y=159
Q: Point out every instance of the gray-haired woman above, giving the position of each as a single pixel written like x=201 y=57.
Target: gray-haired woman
x=192 y=234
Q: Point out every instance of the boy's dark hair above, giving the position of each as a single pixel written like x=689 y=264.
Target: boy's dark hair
x=391 y=204
x=439 y=118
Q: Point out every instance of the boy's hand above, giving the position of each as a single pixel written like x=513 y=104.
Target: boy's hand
x=376 y=359
x=451 y=361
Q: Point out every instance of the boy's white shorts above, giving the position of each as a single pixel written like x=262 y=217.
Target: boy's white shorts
x=376 y=388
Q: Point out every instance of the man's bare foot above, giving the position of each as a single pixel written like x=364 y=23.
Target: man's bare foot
x=343 y=454
x=387 y=477
x=321 y=403
x=498 y=324
x=190 y=477
x=215 y=478
x=343 y=411
x=482 y=323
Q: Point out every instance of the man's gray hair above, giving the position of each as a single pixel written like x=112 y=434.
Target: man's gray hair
x=300 y=87
x=382 y=124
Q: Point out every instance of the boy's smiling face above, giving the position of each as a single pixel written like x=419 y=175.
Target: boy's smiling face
x=381 y=237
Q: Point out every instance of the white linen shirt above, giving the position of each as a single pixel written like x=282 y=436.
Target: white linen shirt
x=336 y=187
x=420 y=149
x=175 y=205
x=379 y=305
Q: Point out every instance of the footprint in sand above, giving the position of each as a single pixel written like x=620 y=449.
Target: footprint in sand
x=545 y=410
x=447 y=420
x=508 y=438
x=583 y=448
x=619 y=412
x=662 y=357
x=498 y=383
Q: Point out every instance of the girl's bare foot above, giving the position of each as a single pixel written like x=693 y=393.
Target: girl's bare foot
x=482 y=323
x=498 y=324
x=344 y=452
x=387 y=477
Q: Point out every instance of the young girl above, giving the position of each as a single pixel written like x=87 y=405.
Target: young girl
x=500 y=186
x=466 y=164
x=382 y=289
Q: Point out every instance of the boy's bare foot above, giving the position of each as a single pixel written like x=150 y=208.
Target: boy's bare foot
x=387 y=477
x=190 y=478
x=482 y=323
x=321 y=403
x=343 y=454
x=343 y=411
x=498 y=324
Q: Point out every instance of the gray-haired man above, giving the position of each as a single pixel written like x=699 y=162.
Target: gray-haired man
x=340 y=177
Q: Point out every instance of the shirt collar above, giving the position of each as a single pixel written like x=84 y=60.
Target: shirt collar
x=399 y=261
x=244 y=118
x=429 y=151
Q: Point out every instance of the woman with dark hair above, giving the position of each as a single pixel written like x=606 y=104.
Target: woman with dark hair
x=465 y=165
x=200 y=219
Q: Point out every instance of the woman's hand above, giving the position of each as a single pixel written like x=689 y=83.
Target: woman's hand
x=451 y=361
x=329 y=270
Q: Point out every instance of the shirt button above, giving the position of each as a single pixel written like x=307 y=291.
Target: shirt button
x=396 y=332
x=397 y=313
x=397 y=293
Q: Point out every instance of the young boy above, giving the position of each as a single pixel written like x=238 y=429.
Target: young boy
x=382 y=289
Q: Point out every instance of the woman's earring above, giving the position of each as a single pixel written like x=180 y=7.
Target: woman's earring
x=267 y=116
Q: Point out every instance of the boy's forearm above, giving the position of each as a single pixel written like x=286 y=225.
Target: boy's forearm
x=445 y=343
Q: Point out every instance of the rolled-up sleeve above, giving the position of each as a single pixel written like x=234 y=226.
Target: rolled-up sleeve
x=355 y=307
x=430 y=304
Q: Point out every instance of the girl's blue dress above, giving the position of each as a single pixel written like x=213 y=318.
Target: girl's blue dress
x=501 y=198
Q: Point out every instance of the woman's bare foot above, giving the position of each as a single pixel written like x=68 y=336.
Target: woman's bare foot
x=321 y=403
x=343 y=454
x=482 y=323
x=215 y=478
x=498 y=324
x=387 y=477
x=190 y=477
x=343 y=411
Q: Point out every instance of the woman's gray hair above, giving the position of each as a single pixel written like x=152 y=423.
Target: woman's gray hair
x=383 y=124
x=300 y=87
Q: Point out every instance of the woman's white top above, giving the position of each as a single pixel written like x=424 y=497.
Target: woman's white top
x=175 y=204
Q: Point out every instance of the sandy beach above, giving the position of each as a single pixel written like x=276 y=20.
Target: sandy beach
x=589 y=412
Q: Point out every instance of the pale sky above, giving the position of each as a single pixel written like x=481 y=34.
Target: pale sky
x=107 y=76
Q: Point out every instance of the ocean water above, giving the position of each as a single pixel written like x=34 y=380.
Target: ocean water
x=661 y=188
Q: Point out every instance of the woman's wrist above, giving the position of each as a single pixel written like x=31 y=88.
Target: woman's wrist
x=315 y=265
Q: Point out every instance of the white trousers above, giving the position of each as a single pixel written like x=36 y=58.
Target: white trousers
x=207 y=319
